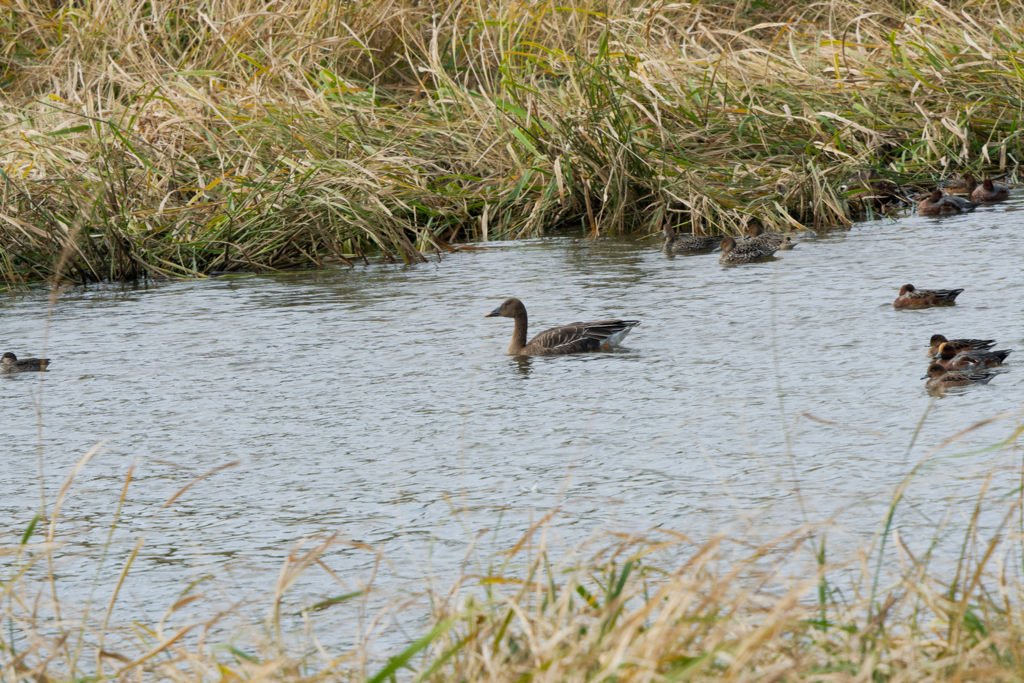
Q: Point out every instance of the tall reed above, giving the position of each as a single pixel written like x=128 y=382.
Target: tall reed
x=174 y=139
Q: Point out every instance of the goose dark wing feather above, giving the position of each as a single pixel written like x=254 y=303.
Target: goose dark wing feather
x=559 y=336
x=579 y=337
x=575 y=345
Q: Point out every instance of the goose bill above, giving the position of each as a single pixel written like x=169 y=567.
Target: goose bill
x=494 y=314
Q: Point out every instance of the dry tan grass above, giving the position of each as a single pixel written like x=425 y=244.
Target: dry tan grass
x=644 y=608
x=661 y=607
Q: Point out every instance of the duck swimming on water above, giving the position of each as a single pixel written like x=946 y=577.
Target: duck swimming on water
x=951 y=359
x=911 y=297
x=779 y=240
x=938 y=204
x=958 y=345
x=963 y=185
x=939 y=378
x=688 y=243
x=990 y=192
x=9 y=363
x=571 y=338
x=746 y=251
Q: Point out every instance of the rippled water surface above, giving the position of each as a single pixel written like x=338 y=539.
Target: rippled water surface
x=377 y=402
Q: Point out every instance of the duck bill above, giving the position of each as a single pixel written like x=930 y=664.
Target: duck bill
x=494 y=314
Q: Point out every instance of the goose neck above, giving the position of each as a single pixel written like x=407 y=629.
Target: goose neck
x=519 y=333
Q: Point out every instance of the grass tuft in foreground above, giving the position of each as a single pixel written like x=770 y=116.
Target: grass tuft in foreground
x=169 y=139
x=655 y=607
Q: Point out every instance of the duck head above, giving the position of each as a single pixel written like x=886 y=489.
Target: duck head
x=509 y=308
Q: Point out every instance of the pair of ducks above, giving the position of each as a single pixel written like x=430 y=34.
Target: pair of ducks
x=9 y=364
x=940 y=204
x=756 y=246
x=957 y=362
x=988 y=191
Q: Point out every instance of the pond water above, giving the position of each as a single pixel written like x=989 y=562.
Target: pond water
x=378 y=402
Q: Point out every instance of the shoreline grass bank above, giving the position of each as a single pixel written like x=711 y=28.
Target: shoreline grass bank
x=162 y=139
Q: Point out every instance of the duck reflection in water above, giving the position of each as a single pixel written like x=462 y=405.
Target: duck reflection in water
x=523 y=365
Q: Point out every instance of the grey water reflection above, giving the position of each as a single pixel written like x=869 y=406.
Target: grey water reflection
x=378 y=402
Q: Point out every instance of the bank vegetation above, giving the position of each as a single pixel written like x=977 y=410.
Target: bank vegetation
x=174 y=139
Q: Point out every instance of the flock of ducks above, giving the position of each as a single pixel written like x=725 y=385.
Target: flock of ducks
x=945 y=200
x=957 y=362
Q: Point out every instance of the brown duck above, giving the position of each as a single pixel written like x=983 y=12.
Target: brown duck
x=746 y=251
x=688 y=243
x=963 y=185
x=940 y=378
x=959 y=345
x=779 y=240
x=938 y=204
x=951 y=359
x=911 y=297
x=571 y=338
x=990 y=192
x=9 y=363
